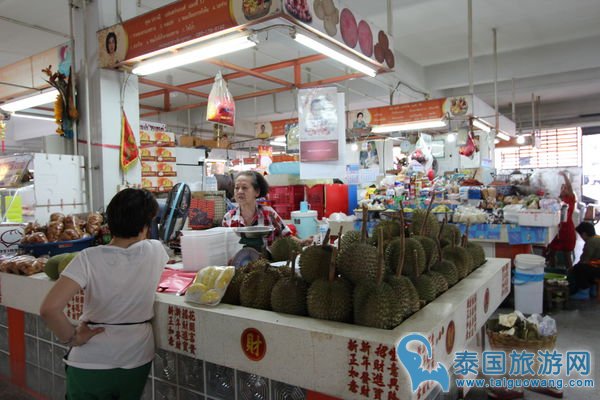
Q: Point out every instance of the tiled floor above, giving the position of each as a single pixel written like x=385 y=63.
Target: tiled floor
x=578 y=328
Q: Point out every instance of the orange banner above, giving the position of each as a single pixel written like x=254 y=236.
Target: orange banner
x=164 y=27
x=419 y=111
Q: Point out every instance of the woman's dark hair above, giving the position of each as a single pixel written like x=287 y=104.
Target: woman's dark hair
x=259 y=183
x=360 y=114
x=587 y=228
x=108 y=37
x=130 y=211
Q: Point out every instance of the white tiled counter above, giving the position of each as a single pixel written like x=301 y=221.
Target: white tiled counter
x=297 y=354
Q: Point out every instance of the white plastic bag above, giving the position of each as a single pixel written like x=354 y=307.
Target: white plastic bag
x=221 y=107
x=210 y=285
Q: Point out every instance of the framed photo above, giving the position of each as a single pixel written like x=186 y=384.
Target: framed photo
x=437 y=148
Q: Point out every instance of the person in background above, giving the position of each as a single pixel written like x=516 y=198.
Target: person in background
x=111 y=47
x=225 y=183
x=565 y=240
x=359 y=122
x=587 y=270
x=112 y=347
x=249 y=186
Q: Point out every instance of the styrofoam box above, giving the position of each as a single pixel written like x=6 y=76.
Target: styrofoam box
x=539 y=218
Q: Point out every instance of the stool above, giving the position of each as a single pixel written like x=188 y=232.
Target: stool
x=553 y=290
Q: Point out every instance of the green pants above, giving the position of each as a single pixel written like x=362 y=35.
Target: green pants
x=106 y=384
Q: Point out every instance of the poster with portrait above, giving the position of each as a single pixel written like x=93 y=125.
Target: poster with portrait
x=318 y=124
x=369 y=158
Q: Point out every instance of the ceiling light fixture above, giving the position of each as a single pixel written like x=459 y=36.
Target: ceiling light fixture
x=451 y=138
x=479 y=124
x=34 y=116
x=335 y=54
x=520 y=139
x=496 y=141
x=31 y=101
x=503 y=136
x=354 y=147
x=410 y=126
x=280 y=138
x=194 y=53
x=277 y=143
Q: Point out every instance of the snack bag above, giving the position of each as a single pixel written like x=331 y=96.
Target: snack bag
x=221 y=108
x=210 y=285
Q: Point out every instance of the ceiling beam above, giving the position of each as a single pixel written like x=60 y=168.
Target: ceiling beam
x=260 y=93
x=236 y=75
x=173 y=88
x=250 y=72
x=147 y=107
x=329 y=81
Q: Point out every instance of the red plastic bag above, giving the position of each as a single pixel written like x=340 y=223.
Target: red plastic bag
x=221 y=108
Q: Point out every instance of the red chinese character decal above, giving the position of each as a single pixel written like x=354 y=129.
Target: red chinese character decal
x=505 y=280
x=486 y=300
x=471 y=316
x=181 y=332
x=254 y=344
x=450 y=336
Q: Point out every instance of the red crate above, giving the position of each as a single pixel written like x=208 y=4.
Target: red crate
x=336 y=198
x=284 y=210
x=289 y=195
x=315 y=196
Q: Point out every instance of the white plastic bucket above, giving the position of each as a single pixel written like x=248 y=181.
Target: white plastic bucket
x=306 y=223
x=528 y=282
x=208 y=247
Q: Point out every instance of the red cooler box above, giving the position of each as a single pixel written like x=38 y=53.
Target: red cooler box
x=336 y=198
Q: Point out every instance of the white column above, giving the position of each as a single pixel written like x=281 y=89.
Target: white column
x=100 y=110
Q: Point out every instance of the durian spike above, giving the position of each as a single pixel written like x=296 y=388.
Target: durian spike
x=379 y=277
x=363 y=229
x=332 y=266
x=465 y=238
x=326 y=239
x=429 y=207
x=402 y=246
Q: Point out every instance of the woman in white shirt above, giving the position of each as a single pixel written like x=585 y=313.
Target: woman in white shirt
x=112 y=347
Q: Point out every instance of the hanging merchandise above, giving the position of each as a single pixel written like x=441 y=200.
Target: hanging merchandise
x=470 y=148
x=65 y=109
x=420 y=159
x=129 y=151
x=221 y=107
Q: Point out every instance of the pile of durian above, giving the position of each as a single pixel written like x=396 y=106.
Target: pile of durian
x=376 y=282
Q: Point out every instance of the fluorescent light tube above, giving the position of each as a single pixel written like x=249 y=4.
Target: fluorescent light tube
x=481 y=125
x=336 y=55
x=280 y=138
x=33 y=116
x=521 y=139
x=31 y=101
x=411 y=126
x=502 y=136
x=277 y=144
x=193 y=54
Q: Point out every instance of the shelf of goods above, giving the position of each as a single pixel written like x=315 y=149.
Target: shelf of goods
x=315 y=356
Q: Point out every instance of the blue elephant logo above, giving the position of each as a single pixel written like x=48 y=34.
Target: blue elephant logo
x=412 y=363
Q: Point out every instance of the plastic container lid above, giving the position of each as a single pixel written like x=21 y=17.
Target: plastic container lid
x=304 y=214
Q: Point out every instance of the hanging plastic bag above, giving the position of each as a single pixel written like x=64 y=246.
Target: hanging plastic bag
x=221 y=108
x=422 y=152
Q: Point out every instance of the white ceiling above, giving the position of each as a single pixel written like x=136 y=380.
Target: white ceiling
x=549 y=47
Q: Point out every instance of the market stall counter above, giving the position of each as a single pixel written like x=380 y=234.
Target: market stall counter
x=217 y=351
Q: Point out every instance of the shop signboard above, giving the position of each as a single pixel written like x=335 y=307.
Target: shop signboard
x=179 y=22
x=427 y=110
x=335 y=20
x=318 y=127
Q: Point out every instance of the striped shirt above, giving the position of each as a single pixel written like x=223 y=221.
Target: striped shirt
x=264 y=216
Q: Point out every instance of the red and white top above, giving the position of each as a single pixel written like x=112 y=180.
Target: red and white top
x=264 y=216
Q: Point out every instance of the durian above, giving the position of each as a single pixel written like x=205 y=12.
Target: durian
x=348 y=240
x=430 y=248
x=450 y=235
x=403 y=287
x=282 y=249
x=330 y=298
x=412 y=247
x=476 y=251
x=390 y=230
x=256 y=288
x=424 y=223
x=315 y=260
x=426 y=286
x=445 y=267
x=376 y=303
x=460 y=258
x=358 y=263
x=289 y=293
x=232 y=294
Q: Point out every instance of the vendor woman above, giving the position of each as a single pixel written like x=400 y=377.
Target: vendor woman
x=249 y=186
x=565 y=240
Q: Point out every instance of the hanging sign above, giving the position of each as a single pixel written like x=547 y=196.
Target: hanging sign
x=175 y=23
x=318 y=127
